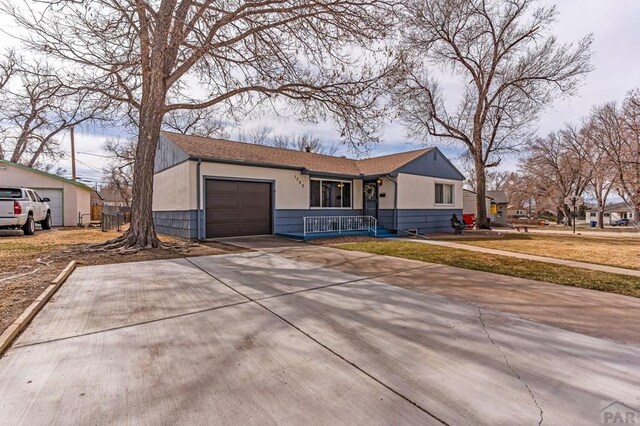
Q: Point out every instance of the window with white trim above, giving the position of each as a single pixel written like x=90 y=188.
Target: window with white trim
x=444 y=193
x=330 y=194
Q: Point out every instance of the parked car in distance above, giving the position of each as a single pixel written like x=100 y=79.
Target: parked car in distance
x=544 y=222
x=620 y=222
x=22 y=208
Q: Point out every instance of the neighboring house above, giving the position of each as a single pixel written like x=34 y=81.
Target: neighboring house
x=499 y=207
x=68 y=199
x=612 y=212
x=209 y=188
x=469 y=205
x=108 y=196
x=517 y=212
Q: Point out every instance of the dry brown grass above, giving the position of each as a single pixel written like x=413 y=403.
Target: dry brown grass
x=604 y=250
x=29 y=263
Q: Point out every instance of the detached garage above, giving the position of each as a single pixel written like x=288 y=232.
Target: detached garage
x=68 y=199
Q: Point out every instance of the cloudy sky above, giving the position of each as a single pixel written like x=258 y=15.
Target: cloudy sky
x=614 y=23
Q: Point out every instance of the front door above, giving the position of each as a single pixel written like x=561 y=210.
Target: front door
x=370 y=197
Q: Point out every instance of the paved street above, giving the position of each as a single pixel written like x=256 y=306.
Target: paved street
x=293 y=334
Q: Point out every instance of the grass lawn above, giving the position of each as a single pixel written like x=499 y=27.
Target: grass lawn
x=604 y=250
x=558 y=274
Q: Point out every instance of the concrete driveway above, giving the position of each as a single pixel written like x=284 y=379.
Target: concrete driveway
x=264 y=338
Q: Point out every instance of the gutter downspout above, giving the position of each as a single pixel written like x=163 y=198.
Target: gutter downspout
x=395 y=202
x=198 y=214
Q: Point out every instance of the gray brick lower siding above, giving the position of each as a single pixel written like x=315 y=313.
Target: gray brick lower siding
x=425 y=221
x=179 y=223
x=183 y=223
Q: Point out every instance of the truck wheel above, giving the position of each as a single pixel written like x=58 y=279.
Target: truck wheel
x=46 y=223
x=30 y=226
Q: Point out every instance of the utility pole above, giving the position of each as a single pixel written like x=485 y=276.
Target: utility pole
x=73 y=155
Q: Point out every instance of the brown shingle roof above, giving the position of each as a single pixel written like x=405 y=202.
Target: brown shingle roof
x=225 y=150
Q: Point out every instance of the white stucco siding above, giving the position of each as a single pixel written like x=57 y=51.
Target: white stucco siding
x=387 y=188
x=291 y=187
x=418 y=192
x=357 y=194
x=174 y=189
x=83 y=205
x=469 y=203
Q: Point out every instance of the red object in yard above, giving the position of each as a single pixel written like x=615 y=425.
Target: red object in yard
x=469 y=220
x=17 y=208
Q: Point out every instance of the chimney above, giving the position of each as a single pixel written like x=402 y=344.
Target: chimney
x=307 y=148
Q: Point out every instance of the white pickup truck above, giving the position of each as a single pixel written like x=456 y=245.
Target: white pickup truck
x=21 y=208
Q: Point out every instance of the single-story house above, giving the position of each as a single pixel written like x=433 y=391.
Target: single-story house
x=69 y=200
x=211 y=188
x=499 y=206
x=517 y=212
x=612 y=213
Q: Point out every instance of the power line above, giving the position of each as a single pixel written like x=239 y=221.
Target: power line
x=96 y=155
x=89 y=165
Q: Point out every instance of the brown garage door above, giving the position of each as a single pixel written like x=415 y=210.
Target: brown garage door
x=236 y=208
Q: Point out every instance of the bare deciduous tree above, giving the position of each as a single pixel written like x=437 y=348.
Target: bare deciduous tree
x=258 y=136
x=603 y=176
x=149 y=53
x=305 y=142
x=511 y=64
x=7 y=68
x=198 y=122
x=617 y=131
x=558 y=168
x=496 y=180
x=119 y=171
x=37 y=108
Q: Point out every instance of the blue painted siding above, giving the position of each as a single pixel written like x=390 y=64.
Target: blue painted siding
x=434 y=164
x=385 y=218
x=179 y=223
x=287 y=221
x=183 y=223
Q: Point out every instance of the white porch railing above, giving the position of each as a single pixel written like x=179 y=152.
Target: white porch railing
x=340 y=224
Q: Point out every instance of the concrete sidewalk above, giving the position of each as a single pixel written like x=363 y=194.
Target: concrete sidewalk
x=579 y=232
x=564 y=262
x=299 y=334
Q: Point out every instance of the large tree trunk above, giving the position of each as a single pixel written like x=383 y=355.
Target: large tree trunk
x=482 y=221
x=566 y=212
x=601 y=204
x=142 y=232
x=601 y=217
